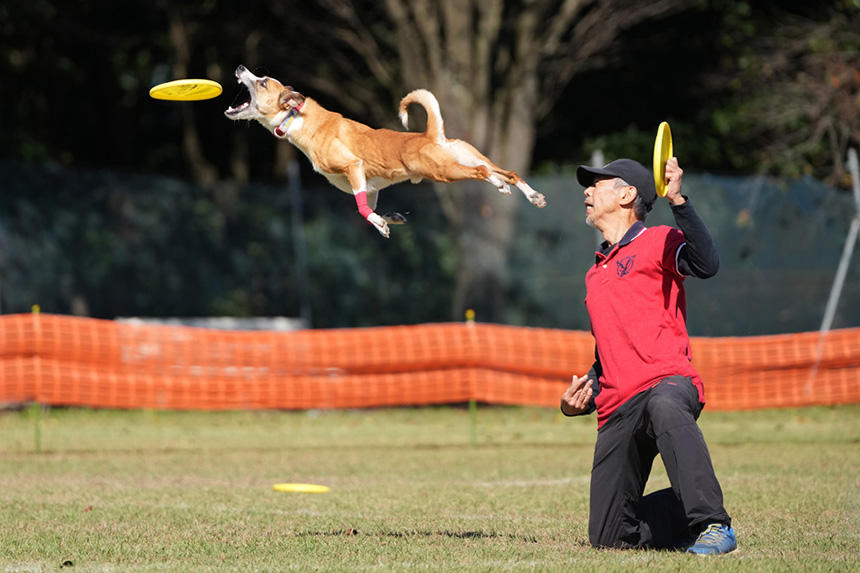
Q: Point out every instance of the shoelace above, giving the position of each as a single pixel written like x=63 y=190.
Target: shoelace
x=712 y=535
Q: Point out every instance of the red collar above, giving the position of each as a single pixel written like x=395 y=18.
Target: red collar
x=281 y=130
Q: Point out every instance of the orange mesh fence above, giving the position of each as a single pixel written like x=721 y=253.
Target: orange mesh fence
x=62 y=360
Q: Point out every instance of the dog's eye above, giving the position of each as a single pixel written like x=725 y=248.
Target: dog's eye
x=263 y=83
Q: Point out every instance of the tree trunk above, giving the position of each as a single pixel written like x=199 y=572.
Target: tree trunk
x=454 y=59
x=483 y=220
x=496 y=67
x=180 y=36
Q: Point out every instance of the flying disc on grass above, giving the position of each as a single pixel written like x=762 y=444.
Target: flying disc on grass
x=186 y=90
x=662 y=153
x=300 y=488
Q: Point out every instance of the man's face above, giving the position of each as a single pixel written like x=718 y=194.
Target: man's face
x=601 y=197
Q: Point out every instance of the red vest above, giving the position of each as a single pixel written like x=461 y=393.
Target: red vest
x=635 y=299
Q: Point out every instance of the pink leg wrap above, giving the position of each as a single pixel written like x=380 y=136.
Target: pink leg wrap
x=361 y=201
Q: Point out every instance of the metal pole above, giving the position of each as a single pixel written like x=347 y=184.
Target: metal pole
x=845 y=260
x=841 y=271
x=855 y=176
x=839 y=281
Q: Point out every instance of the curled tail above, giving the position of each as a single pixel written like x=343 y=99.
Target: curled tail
x=435 y=127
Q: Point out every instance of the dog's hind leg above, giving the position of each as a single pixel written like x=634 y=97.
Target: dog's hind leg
x=536 y=199
x=511 y=178
x=466 y=154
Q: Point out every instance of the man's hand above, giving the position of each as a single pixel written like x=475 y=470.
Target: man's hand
x=674 y=173
x=577 y=397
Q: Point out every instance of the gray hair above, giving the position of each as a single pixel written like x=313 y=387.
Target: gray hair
x=640 y=209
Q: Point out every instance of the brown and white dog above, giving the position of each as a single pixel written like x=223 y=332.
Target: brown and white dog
x=360 y=160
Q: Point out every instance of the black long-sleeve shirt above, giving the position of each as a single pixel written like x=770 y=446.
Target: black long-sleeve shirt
x=699 y=256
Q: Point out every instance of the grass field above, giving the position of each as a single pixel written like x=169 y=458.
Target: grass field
x=411 y=489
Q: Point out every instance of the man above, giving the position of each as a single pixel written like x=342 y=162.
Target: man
x=643 y=385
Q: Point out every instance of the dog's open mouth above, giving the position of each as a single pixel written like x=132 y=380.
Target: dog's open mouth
x=239 y=108
x=233 y=110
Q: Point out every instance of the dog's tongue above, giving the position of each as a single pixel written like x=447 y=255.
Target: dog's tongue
x=233 y=110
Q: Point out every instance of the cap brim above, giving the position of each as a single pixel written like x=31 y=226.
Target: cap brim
x=586 y=175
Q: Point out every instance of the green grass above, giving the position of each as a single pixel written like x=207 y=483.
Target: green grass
x=192 y=491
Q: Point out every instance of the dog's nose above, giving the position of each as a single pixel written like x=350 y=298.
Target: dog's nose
x=240 y=70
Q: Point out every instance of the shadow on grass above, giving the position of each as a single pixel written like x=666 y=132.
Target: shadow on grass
x=169 y=450
x=417 y=533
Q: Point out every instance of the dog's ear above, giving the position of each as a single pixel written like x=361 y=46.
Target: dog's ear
x=290 y=99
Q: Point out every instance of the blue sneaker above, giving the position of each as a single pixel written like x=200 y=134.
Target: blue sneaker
x=716 y=539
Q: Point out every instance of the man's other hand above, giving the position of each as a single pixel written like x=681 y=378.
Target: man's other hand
x=577 y=397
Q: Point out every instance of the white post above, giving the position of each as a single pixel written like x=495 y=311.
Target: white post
x=841 y=271
x=845 y=260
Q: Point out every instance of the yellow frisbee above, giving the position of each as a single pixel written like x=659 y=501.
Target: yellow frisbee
x=662 y=152
x=300 y=488
x=186 y=90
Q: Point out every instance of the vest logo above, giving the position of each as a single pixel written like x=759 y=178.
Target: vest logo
x=624 y=266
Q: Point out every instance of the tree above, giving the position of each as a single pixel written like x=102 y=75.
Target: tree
x=795 y=87
x=497 y=67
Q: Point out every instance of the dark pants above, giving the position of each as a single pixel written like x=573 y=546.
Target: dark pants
x=662 y=419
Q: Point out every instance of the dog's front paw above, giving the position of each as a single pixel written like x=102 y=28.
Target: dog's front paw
x=380 y=224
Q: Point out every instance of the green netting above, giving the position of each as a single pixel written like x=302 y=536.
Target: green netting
x=779 y=244
x=144 y=245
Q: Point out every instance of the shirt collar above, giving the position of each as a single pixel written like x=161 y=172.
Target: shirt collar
x=634 y=231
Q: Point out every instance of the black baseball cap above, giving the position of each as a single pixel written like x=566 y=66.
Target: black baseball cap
x=631 y=171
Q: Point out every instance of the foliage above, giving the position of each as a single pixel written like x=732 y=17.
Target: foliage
x=747 y=86
x=794 y=100
x=754 y=87
x=764 y=85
